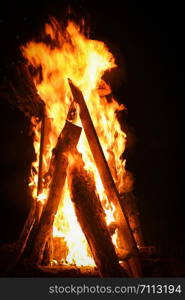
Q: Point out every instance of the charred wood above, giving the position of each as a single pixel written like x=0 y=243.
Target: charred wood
x=67 y=142
x=124 y=230
x=91 y=217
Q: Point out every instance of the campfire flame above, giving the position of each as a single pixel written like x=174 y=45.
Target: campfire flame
x=67 y=53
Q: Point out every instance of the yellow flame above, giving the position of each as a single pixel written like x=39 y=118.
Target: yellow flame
x=70 y=54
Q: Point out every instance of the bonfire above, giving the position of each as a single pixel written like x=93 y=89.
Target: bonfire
x=78 y=217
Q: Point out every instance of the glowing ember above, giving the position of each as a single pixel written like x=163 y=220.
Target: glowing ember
x=70 y=54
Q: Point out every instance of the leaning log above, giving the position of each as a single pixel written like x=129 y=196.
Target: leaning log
x=44 y=142
x=41 y=153
x=67 y=142
x=45 y=128
x=91 y=217
x=124 y=230
x=44 y=132
x=48 y=252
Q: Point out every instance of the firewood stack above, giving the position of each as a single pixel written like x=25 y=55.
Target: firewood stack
x=35 y=243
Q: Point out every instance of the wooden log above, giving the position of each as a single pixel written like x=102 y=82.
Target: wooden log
x=67 y=142
x=71 y=118
x=41 y=153
x=48 y=252
x=45 y=127
x=124 y=230
x=44 y=132
x=44 y=141
x=91 y=217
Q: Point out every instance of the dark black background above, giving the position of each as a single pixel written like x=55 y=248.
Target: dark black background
x=145 y=39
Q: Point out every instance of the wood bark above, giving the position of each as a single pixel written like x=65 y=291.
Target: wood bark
x=41 y=153
x=48 y=252
x=91 y=217
x=45 y=127
x=124 y=230
x=67 y=142
x=44 y=141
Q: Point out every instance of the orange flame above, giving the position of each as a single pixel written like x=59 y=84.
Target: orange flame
x=70 y=54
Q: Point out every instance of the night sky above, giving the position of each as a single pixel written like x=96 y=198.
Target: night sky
x=145 y=41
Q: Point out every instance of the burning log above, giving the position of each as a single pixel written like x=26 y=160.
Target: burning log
x=71 y=118
x=45 y=127
x=124 y=229
x=24 y=244
x=48 y=251
x=67 y=142
x=91 y=217
x=42 y=147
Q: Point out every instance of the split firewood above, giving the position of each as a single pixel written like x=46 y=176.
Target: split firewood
x=67 y=142
x=45 y=128
x=91 y=217
x=124 y=230
x=48 y=252
x=44 y=132
x=43 y=142
x=71 y=117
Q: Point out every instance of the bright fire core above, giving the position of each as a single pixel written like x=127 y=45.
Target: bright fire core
x=67 y=53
